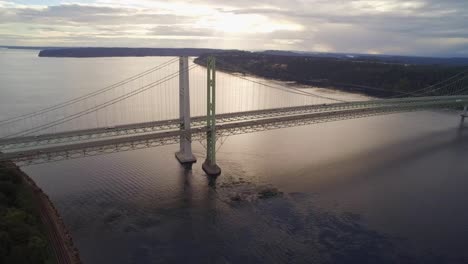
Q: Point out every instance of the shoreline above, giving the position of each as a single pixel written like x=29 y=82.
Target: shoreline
x=97 y=52
x=60 y=239
x=341 y=87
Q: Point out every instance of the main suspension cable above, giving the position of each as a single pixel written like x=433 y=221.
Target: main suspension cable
x=86 y=96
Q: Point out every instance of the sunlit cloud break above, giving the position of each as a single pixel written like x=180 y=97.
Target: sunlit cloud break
x=421 y=27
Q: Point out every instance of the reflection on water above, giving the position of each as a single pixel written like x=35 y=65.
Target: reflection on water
x=387 y=189
x=348 y=197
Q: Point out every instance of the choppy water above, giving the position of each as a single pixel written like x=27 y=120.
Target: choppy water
x=387 y=189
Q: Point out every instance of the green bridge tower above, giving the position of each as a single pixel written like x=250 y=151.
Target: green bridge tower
x=209 y=166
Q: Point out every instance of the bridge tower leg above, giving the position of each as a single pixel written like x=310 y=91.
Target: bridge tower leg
x=209 y=166
x=464 y=114
x=185 y=155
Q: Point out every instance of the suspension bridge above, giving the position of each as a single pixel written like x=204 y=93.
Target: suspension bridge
x=182 y=102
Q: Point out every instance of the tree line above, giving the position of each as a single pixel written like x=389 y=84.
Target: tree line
x=372 y=77
x=22 y=237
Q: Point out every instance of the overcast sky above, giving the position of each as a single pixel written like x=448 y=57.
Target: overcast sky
x=420 y=27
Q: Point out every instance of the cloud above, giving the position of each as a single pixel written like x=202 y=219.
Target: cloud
x=421 y=27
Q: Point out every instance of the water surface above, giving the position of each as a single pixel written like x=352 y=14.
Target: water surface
x=386 y=189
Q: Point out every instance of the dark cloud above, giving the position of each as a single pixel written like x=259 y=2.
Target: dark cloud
x=93 y=15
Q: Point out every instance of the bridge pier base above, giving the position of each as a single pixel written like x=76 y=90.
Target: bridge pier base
x=464 y=114
x=185 y=155
x=209 y=166
x=186 y=162
x=211 y=170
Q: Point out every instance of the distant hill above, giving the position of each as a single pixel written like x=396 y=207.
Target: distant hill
x=86 y=52
x=123 y=52
x=370 y=57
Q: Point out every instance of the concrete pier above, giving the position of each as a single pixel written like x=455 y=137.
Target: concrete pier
x=185 y=155
x=211 y=169
x=186 y=161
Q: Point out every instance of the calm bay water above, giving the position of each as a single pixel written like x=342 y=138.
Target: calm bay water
x=387 y=189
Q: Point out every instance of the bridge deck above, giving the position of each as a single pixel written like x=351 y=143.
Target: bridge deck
x=166 y=125
x=288 y=118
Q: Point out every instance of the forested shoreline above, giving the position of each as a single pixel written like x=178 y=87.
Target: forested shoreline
x=22 y=235
x=122 y=52
x=31 y=229
x=372 y=77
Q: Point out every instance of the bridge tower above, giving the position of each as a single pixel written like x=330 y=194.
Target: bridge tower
x=209 y=166
x=185 y=155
